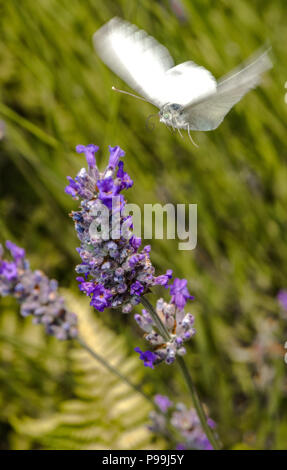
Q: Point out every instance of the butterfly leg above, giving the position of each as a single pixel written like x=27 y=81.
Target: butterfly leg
x=168 y=128
x=191 y=139
x=173 y=126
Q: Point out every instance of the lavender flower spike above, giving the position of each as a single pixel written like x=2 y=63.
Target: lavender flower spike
x=114 y=272
x=178 y=324
x=183 y=421
x=37 y=295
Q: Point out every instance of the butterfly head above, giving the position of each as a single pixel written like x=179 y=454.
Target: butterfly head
x=169 y=113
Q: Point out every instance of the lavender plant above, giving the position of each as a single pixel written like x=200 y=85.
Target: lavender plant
x=117 y=274
x=114 y=273
x=36 y=293
x=182 y=422
x=178 y=325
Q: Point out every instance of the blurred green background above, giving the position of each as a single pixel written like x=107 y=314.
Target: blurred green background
x=56 y=93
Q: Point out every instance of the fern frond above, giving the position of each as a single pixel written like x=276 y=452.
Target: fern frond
x=106 y=413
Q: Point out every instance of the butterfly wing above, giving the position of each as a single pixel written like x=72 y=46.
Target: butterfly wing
x=147 y=67
x=207 y=113
x=134 y=56
x=186 y=82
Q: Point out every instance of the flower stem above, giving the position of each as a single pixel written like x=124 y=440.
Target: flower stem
x=161 y=327
x=113 y=370
x=187 y=377
x=197 y=404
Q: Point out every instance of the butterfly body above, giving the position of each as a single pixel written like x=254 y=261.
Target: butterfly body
x=187 y=95
x=171 y=114
x=175 y=116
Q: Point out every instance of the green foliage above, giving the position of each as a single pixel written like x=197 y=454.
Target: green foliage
x=104 y=413
x=35 y=374
x=56 y=93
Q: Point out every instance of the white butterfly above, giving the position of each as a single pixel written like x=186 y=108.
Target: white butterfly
x=187 y=95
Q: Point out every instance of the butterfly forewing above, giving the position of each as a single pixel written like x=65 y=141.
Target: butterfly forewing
x=135 y=57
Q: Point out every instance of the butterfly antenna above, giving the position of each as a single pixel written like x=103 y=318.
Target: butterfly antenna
x=130 y=94
x=191 y=139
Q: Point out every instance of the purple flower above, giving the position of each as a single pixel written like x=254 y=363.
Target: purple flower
x=89 y=151
x=16 y=252
x=100 y=297
x=135 y=242
x=71 y=191
x=107 y=187
x=180 y=446
x=37 y=294
x=116 y=265
x=137 y=288
x=182 y=421
x=164 y=278
x=115 y=154
x=125 y=181
x=211 y=423
x=282 y=298
x=134 y=259
x=119 y=266
x=86 y=286
x=72 y=188
x=147 y=357
x=8 y=270
x=180 y=293
x=178 y=324
x=163 y=402
x=108 y=190
x=202 y=443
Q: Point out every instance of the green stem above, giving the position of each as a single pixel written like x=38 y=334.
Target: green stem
x=197 y=404
x=112 y=369
x=187 y=377
x=160 y=326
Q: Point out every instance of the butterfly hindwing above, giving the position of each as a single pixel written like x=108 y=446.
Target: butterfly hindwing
x=207 y=113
